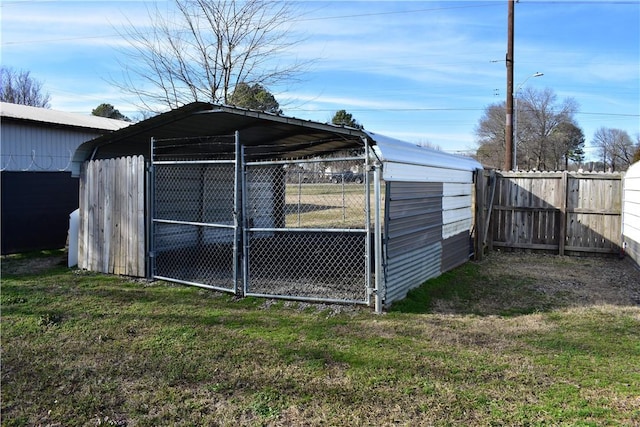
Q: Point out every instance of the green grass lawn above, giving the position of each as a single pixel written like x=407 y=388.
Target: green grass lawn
x=86 y=349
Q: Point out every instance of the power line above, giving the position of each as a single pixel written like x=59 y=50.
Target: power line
x=365 y=15
x=418 y=109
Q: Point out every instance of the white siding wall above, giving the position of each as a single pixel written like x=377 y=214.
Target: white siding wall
x=631 y=212
x=25 y=147
x=456 y=209
x=395 y=171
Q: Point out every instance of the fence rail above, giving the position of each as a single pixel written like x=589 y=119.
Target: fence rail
x=111 y=227
x=562 y=212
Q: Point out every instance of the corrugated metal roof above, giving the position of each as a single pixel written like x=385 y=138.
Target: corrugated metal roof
x=265 y=136
x=393 y=150
x=46 y=115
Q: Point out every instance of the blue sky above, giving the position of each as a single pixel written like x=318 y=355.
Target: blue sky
x=421 y=71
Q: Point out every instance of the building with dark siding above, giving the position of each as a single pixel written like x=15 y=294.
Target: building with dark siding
x=38 y=192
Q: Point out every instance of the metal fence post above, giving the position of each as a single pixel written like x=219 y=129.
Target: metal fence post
x=378 y=240
x=237 y=213
x=245 y=222
x=150 y=232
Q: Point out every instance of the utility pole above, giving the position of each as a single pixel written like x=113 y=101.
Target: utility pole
x=509 y=146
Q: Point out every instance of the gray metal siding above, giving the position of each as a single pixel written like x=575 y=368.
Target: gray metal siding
x=39 y=148
x=411 y=269
x=455 y=251
x=413 y=236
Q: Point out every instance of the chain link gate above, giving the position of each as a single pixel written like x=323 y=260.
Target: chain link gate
x=307 y=233
x=194 y=224
x=282 y=229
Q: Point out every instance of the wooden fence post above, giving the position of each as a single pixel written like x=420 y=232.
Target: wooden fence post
x=563 y=212
x=480 y=215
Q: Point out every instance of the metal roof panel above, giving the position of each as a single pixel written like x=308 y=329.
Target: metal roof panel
x=46 y=115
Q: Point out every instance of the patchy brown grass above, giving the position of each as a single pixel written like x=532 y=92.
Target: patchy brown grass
x=479 y=349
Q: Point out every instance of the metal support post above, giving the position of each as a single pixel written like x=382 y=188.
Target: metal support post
x=377 y=239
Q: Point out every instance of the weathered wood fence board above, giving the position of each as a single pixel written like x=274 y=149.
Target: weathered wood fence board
x=111 y=227
x=551 y=211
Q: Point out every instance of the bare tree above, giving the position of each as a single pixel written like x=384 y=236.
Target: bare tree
x=490 y=134
x=538 y=119
x=540 y=116
x=18 y=87
x=204 y=50
x=615 y=148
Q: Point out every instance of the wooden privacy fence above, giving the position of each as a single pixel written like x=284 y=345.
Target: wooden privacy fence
x=562 y=212
x=112 y=216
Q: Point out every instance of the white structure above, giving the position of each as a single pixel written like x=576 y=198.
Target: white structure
x=631 y=212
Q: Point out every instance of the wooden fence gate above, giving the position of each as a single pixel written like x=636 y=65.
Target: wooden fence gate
x=560 y=212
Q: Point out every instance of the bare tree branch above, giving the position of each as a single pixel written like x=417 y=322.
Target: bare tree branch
x=18 y=87
x=205 y=49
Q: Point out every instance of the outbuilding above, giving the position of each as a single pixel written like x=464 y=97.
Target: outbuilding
x=38 y=191
x=260 y=204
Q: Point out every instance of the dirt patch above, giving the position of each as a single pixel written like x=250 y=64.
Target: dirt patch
x=19 y=265
x=577 y=280
x=531 y=282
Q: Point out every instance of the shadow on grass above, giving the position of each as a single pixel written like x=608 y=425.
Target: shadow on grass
x=468 y=290
x=456 y=285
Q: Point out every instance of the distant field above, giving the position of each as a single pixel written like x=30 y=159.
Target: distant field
x=326 y=205
x=514 y=341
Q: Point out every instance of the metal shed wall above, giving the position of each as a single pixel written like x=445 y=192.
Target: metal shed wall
x=631 y=212
x=428 y=214
x=41 y=139
x=413 y=230
x=35 y=209
x=427 y=232
x=38 y=192
x=38 y=148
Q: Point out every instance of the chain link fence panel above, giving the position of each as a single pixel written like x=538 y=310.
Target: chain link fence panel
x=194 y=231
x=314 y=265
x=302 y=230
x=307 y=231
x=196 y=255
x=297 y=198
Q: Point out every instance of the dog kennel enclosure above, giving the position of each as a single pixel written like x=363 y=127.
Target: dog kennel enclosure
x=257 y=204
